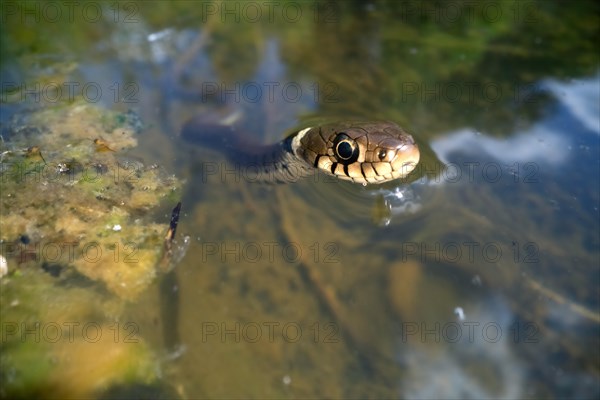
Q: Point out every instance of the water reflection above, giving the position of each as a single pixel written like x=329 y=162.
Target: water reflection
x=477 y=360
x=549 y=142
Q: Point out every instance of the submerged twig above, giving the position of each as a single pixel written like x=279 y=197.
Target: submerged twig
x=370 y=356
x=166 y=263
x=557 y=298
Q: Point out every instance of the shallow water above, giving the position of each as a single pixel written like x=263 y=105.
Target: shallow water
x=477 y=277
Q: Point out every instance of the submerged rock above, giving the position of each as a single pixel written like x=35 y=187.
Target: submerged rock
x=77 y=238
x=70 y=189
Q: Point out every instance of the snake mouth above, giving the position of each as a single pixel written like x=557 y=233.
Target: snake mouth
x=406 y=159
x=398 y=162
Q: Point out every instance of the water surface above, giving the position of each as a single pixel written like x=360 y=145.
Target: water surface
x=476 y=277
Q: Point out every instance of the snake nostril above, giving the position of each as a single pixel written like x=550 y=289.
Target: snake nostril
x=405 y=146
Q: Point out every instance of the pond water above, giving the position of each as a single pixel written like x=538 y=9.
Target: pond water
x=478 y=276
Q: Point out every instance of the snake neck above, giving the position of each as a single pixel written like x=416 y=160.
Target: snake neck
x=275 y=163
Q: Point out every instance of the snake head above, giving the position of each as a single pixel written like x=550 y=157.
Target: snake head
x=362 y=152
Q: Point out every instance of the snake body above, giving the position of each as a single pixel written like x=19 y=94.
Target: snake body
x=361 y=152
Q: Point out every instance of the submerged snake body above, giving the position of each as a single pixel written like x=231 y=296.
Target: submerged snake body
x=361 y=152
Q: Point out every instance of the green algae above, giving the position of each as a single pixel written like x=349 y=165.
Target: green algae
x=78 y=236
x=79 y=195
x=66 y=340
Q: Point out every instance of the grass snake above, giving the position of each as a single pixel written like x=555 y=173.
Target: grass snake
x=361 y=152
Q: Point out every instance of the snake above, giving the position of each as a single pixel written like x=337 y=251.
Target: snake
x=371 y=152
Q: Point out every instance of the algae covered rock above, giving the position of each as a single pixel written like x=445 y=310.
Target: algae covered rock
x=79 y=234
x=66 y=342
x=72 y=198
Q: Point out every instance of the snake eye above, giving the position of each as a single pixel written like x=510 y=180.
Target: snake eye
x=382 y=154
x=345 y=149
